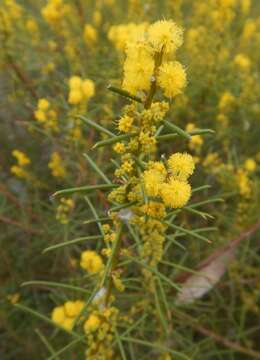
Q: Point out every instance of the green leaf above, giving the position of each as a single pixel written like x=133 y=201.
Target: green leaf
x=124 y=93
x=112 y=141
x=55 y=285
x=85 y=189
x=177 y=129
x=72 y=242
x=96 y=168
x=95 y=125
x=201 y=132
x=188 y=232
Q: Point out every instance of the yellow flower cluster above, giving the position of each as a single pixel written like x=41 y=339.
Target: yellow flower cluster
x=45 y=116
x=90 y=35
x=54 y=11
x=80 y=90
x=100 y=328
x=91 y=262
x=170 y=184
x=66 y=314
x=119 y=35
x=64 y=209
x=147 y=60
x=55 y=164
x=23 y=161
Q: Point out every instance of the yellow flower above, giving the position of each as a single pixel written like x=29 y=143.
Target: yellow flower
x=14 y=298
x=22 y=158
x=68 y=323
x=250 y=165
x=226 y=101
x=181 y=166
x=92 y=323
x=154 y=178
x=91 y=261
x=75 y=97
x=58 y=315
x=138 y=67
x=242 y=61
x=176 y=193
x=71 y=309
x=55 y=164
x=125 y=124
x=165 y=35
x=90 y=35
x=43 y=104
x=75 y=82
x=172 y=78
x=88 y=88
x=119 y=148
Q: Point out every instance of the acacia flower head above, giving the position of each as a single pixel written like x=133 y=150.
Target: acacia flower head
x=166 y=35
x=181 y=166
x=172 y=78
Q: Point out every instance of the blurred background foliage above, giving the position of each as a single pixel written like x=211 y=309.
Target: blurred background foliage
x=43 y=45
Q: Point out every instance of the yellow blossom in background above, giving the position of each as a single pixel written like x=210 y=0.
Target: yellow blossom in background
x=196 y=141
x=250 y=165
x=55 y=164
x=14 y=298
x=91 y=262
x=242 y=61
x=53 y=11
x=172 y=78
x=22 y=158
x=90 y=35
x=88 y=88
x=65 y=315
x=64 y=210
x=226 y=101
x=20 y=170
x=46 y=116
x=80 y=90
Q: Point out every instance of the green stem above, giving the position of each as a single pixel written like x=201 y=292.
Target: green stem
x=114 y=262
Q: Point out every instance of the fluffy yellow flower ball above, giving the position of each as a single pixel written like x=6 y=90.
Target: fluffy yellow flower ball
x=75 y=82
x=250 y=165
x=172 y=78
x=88 y=88
x=43 y=104
x=175 y=194
x=90 y=35
x=58 y=315
x=91 y=261
x=92 y=323
x=125 y=124
x=71 y=309
x=154 y=178
x=22 y=159
x=242 y=61
x=165 y=35
x=75 y=97
x=138 y=68
x=181 y=166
